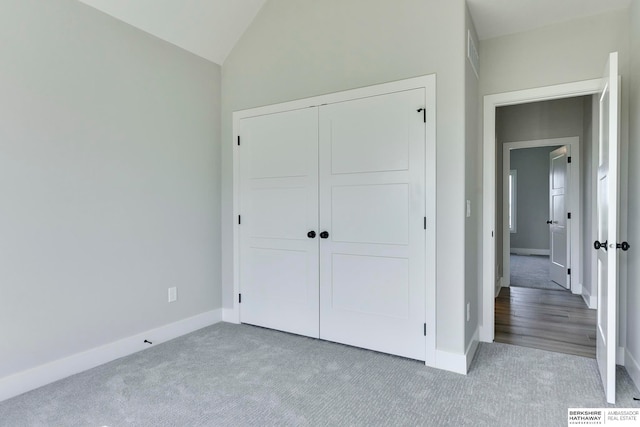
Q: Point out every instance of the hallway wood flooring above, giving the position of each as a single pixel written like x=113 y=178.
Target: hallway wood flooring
x=545 y=319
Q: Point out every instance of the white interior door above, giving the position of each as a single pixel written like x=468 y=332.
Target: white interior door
x=558 y=230
x=607 y=200
x=372 y=209
x=279 y=216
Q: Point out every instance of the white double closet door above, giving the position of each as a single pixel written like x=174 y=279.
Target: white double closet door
x=332 y=225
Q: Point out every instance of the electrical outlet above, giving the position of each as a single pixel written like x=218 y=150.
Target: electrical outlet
x=468 y=311
x=173 y=294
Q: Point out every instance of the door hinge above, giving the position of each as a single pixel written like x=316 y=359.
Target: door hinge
x=424 y=114
x=569 y=271
x=569 y=159
x=239 y=219
x=425 y=330
x=238 y=139
x=239 y=298
x=425 y=222
x=568 y=215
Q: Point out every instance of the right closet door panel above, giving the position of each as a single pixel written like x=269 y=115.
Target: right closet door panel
x=372 y=208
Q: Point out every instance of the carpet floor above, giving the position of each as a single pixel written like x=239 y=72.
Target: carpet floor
x=532 y=271
x=239 y=375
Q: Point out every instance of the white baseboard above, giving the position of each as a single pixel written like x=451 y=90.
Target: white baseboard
x=472 y=348
x=231 y=315
x=620 y=353
x=633 y=368
x=528 y=251
x=499 y=286
x=24 y=381
x=590 y=300
x=458 y=363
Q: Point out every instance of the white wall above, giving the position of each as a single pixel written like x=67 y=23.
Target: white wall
x=109 y=182
x=633 y=236
x=300 y=48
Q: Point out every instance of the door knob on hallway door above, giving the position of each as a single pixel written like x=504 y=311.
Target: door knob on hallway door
x=624 y=246
x=324 y=235
x=597 y=245
x=549 y=222
x=311 y=234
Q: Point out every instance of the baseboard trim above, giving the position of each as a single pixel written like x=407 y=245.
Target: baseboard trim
x=633 y=368
x=499 y=285
x=230 y=315
x=620 y=356
x=590 y=300
x=528 y=251
x=22 y=382
x=458 y=363
x=472 y=348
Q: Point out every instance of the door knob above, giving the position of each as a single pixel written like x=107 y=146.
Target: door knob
x=311 y=234
x=324 y=235
x=549 y=222
x=624 y=246
x=597 y=245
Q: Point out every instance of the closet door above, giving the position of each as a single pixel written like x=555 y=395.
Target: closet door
x=372 y=208
x=279 y=217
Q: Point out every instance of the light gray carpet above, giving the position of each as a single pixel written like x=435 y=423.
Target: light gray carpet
x=238 y=375
x=532 y=271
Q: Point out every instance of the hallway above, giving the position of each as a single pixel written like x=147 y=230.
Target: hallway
x=545 y=319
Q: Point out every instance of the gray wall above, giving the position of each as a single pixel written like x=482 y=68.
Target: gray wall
x=525 y=122
x=301 y=48
x=633 y=235
x=532 y=201
x=109 y=154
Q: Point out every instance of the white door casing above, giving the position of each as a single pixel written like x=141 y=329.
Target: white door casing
x=491 y=102
x=279 y=205
x=607 y=233
x=372 y=205
x=560 y=249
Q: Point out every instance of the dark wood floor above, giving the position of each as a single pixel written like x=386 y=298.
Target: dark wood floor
x=549 y=320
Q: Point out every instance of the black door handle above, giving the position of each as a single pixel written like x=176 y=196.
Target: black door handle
x=311 y=234
x=624 y=246
x=597 y=245
x=324 y=235
x=549 y=222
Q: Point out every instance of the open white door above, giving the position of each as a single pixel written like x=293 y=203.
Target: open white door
x=607 y=200
x=558 y=230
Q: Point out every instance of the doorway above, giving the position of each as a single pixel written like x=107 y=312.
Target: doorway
x=542 y=208
x=492 y=272
x=541 y=199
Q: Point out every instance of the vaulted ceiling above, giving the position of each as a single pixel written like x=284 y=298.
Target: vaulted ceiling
x=210 y=28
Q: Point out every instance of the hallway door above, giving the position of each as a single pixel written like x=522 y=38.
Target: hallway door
x=607 y=201
x=558 y=230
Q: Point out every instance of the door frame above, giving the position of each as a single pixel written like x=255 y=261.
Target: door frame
x=428 y=83
x=491 y=102
x=574 y=205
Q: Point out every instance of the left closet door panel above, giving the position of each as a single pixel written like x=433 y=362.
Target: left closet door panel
x=279 y=281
